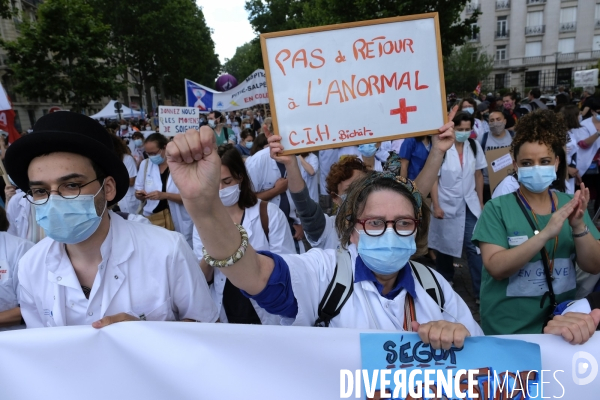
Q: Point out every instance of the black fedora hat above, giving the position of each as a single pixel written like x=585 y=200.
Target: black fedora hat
x=68 y=132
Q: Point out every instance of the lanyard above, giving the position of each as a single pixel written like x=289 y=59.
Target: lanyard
x=524 y=200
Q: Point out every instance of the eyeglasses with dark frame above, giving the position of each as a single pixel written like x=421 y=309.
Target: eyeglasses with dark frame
x=67 y=190
x=377 y=226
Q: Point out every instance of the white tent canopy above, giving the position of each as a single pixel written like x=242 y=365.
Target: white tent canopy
x=108 y=112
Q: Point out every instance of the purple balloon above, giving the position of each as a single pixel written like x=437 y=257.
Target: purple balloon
x=226 y=82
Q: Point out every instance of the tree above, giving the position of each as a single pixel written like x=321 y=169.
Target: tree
x=246 y=60
x=276 y=15
x=65 y=56
x=161 y=42
x=465 y=68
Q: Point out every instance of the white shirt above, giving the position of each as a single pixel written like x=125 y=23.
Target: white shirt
x=17 y=211
x=456 y=188
x=12 y=248
x=584 y=156
x=312 y=181
x=353 y=151
x=264 y=172
x=506 y=186
x=181 y=219
x=280 y=242
x=145 y=270
x=329 y=238
x=312 y=272
x=129 y=204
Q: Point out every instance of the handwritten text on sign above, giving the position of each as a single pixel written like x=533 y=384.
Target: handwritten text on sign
x=355 y=85
x=174 y=120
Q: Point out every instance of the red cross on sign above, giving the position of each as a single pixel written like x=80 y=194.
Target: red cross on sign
x=403 y=110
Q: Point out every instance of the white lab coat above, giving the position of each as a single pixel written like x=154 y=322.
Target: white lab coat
x=456 y=188
x=17 y=211
x=129 y=204
x=181 y=219
x=280 y=242
x=312 y=181
x=312 y=272
x=506 y=186
x=145 y=270
x=329 y=238
x=12 y=248
x=585 y=156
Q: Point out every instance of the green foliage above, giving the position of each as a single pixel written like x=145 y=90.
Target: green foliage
x=246 y=60
x=65 y=56
x=277 y=15
x=162 y=41
x=465 y=68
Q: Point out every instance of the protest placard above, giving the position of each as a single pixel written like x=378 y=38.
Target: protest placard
x=362 y=82
x=483 y=368
x=174 y=120
x=585 y=78
x=500 y=165
x=252 y=91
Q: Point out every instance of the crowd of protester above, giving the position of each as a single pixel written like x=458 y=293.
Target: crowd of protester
x=112 y=221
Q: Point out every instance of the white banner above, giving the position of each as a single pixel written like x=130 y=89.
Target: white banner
x=252 y=91
x=174 y=120
x=170 y=360
x=586 y=78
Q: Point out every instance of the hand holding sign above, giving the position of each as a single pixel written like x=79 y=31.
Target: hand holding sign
x=357 y=83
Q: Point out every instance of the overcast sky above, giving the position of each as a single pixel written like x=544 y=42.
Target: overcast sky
x=229 y=21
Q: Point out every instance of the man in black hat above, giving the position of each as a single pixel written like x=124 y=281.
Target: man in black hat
x=94 y=267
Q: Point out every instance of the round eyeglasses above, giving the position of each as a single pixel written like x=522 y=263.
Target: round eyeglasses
x=376 y=226
x=67 y=190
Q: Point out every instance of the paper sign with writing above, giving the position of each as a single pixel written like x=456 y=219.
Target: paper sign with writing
x=174 y=120
x=585 y=78
x=500 y=165
x=363 y=82
x=514 y=363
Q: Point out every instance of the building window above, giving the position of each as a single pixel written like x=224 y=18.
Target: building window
x=499 y=81
x=18 y=122
x=502 y=25
x=532 y=78
x=535 y=18
x=31 y=115
x=597 y=12
x=596 y=44
x=568 y=14
x=566 y=45
x=564 y=76
x=474 y=32
x=533 y=49
x=500 y=52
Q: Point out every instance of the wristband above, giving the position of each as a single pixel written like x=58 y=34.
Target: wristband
x=582 y=234
x=228 y=262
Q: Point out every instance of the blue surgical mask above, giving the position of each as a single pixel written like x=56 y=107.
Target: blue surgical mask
x=157 y=159
x=69 y=221
x=247 y=126
x=249 y=144
x=462 y=136
x=388 y=253
x=367 y=150
x=597 y=117
x=138 y=142
x=212 y=123
x=538 y=178
x=469 y=110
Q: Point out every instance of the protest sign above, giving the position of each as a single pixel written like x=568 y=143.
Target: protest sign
x=361 y=82
x=585 y=78
x=252 y=91
x=415 y=369
x=500 y=165
x=174 y=120
x=171 y=360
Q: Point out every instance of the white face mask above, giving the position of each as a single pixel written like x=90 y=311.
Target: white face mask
x=230 y=195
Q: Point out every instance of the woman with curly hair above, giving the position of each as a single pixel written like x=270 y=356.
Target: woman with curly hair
x=529 y=239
